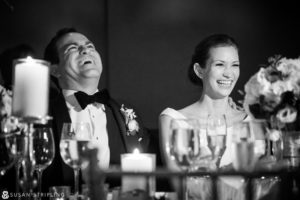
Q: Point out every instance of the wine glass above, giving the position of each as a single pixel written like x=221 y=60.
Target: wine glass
x=43 y=151
x=7 y=151
x=243 y=147
x=216 y=132
x=185 y=145
x=74 y=142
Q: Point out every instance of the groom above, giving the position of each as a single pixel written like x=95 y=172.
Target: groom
x=74 y=96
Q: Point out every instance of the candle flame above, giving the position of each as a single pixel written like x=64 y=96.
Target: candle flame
x=136 y=151
x=29 y=58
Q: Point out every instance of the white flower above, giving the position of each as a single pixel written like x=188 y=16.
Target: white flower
x=133 y=126
x=252 y=90
x=289 y=66
x=287 y=114
x=263 y=84
x=274 y=135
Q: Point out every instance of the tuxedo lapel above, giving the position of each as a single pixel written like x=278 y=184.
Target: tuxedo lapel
x=60 y=114
x=115 y=123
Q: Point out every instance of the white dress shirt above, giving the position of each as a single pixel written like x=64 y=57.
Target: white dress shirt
x=95 y=115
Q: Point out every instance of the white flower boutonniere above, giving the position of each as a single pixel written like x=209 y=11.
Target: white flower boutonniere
x=132 y=126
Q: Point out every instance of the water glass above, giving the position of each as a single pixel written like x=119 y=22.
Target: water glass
x=243 y=147
x=185 y=142
x=216 y=131
x=74 y=142
x=185 y=146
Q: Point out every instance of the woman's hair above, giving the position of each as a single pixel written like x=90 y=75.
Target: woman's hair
x=202 y=50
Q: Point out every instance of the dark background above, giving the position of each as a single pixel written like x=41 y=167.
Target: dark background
x=146 y=45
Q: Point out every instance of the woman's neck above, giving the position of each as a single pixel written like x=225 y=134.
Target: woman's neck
x=213 y=106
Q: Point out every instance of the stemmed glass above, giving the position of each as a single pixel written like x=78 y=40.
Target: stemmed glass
x=20 y=149
x=43 y=151
x=7 y=151
x=216 y=131
x=73 y=145
x=185 y=145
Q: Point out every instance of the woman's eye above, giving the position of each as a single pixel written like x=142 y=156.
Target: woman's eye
x=219 y=64
x=236 y=65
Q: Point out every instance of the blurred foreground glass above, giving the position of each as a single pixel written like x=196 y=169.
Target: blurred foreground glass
x=216 y=131
x=185 y=145
x=59 y=192
x=75 y=138
x=243 y=147
x=43 y=151
x=8 y=151
x=291 y=147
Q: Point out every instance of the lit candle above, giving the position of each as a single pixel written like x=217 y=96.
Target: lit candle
x=31 y=88
x=138 y=162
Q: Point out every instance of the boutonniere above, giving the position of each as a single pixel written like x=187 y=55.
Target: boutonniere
x=132 y=126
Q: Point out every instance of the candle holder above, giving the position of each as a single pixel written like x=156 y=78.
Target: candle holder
x=138 y=162
x=30 y=106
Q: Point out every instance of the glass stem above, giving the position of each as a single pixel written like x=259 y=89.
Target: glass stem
x=39 y=176
x=17 y=168
x=76 y=181
x=184 y=187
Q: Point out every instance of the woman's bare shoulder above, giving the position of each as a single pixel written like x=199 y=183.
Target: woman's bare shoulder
x=188 y=112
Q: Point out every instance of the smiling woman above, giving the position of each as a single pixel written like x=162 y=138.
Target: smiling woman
x=215 y=67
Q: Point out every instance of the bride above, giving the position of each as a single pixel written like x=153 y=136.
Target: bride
x=215 y=67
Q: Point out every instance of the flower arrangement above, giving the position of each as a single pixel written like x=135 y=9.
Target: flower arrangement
x=132 y=126
x=5 y=102
x=273 y=93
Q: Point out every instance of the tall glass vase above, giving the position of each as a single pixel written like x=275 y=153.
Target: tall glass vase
x=291 y=147
x=277 y=148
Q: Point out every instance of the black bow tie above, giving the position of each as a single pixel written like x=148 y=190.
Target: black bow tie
x=85 y=99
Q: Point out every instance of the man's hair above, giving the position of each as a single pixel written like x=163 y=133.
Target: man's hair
x=51 y=51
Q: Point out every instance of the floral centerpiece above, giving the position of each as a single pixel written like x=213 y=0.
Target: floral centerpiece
x=273 y=94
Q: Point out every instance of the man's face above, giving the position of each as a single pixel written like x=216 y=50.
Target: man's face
x=78 y=58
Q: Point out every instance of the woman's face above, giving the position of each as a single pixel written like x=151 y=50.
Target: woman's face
x=221 y=72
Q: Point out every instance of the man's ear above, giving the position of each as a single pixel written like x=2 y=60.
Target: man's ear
x=199 y=71
x=54 y=70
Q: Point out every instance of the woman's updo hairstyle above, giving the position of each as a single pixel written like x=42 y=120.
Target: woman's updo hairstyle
x=201 y=53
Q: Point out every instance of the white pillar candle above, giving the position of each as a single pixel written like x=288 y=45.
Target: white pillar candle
x=31 y=88
x=138 y=162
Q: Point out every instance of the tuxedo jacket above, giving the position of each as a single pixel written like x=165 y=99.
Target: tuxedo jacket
x=58 y=173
